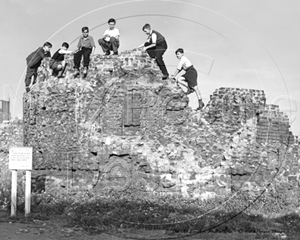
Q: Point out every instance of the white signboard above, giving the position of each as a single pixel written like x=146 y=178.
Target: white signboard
x=20 y=158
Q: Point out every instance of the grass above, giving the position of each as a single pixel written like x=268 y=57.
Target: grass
x=173 y=214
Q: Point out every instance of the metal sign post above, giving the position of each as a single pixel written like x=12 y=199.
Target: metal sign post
x=20 y=158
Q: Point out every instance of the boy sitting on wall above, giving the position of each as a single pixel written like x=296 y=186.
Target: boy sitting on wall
x=111 y=38
x=57 y=62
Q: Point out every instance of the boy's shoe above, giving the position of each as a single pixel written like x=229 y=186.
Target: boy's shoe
x=84 y=71
x=116 y=53
x=107 y=53
x=201 y=105
x=190 y=90
x=60 y=75
x=76 y=73
x=165 y=77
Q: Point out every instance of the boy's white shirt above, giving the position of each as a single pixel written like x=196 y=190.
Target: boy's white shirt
x=184 y=63
x=112 y=33
x=63 y=51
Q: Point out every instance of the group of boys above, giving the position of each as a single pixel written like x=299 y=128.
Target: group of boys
x=155 y=45
x=85 y=47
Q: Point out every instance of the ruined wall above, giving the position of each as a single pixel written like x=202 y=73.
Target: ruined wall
x=11 y=135
x=262 y=150
x=273 y=126
x=124 y=128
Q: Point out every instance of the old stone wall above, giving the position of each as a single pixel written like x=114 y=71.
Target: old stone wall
x=123 y=128
x=261 y=147
x=11 y=135
x=273 y=126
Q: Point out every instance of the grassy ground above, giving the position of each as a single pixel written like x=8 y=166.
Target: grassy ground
x=173 y=217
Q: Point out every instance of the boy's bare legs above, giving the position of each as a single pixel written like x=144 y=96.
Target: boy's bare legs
x=61 y=68
x=184 y=86
x=200 y=102
x=198 y=93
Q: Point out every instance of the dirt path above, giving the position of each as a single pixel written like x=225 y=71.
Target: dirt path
x=47 y=230
x=56 y=230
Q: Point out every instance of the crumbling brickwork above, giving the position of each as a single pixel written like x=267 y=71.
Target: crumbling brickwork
x=11 y=135
x=123 y=127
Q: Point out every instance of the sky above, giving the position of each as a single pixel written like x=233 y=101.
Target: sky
x=232 y=43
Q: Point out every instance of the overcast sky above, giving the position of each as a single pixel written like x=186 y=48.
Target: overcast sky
x=232 y=43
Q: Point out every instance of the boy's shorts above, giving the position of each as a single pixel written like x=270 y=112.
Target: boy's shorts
x=191 y=76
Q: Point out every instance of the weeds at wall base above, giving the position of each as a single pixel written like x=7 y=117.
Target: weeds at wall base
x=173 y=214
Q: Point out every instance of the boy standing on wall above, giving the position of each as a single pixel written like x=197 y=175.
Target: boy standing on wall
x=156 y=45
